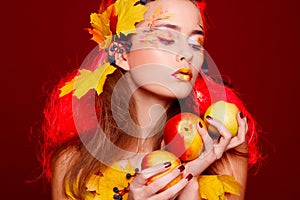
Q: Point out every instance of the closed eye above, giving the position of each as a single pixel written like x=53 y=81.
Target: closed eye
x=164 y=35
x=166 y=41
x=197 y=47
x=196 y=42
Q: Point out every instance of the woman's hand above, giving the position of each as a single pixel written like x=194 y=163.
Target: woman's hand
x=191 y=191
x=214 y=149
x=139 y=190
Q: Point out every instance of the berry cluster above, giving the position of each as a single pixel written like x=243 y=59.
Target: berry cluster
x=120 y=193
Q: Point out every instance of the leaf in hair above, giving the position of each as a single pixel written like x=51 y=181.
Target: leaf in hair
x=128 y=15
x=88 y=80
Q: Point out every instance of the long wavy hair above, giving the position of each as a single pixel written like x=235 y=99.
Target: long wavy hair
x=61 y=133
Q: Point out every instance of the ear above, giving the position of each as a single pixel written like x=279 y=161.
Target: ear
x=121 y=60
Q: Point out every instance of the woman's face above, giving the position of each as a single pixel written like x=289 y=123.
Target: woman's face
x=167 y=53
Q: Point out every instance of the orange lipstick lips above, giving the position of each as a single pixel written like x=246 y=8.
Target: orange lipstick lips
x=183 y=74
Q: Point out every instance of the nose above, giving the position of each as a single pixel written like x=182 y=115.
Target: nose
x=181 y=58
x=184 y=53
x=184 y=57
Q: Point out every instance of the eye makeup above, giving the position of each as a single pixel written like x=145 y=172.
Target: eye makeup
x=196 y=42
x=157 y=36
x=165 y=37
x=159 y=14
x=169 y=37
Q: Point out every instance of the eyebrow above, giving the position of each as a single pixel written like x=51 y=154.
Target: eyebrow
x=177 y=28
x=171 y=26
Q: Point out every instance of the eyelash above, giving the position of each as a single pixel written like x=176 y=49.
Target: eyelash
x=197 y=47
x=196 y=43
x=165 y=41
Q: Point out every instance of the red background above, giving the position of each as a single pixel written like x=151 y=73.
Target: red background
x=253 y=42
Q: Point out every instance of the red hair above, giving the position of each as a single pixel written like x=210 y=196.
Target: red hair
x=59 y=124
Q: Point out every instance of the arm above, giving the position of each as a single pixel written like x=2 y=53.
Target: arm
x=191 y=191
x=239 y=169
x=238 y=165
x=228 y=163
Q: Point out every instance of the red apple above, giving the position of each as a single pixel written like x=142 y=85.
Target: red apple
x=161 y=156
x=181 y=136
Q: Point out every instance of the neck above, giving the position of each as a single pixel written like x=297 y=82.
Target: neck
x=150 y=112
x=149 y=107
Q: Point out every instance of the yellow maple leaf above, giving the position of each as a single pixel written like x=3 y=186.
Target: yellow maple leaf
x=128 y=15
x=230 y=184
x=214 y=187
x=115 y=176
x=92 y=184
x=101 y=25
x=104 y=71
x=88 y=80
x=67 y=88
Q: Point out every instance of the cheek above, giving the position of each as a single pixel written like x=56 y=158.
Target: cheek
x=142 y=57
x=197 y=62
x=137 y=58
x=148 y=74
x=159 y=80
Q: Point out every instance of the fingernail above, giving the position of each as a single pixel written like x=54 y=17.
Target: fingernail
x=189 y=177
x=241 y=115
x=167 y=164
x=209 y=117
x=181 y=168
x=200 y=124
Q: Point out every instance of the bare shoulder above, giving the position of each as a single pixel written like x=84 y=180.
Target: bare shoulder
x=60 y=166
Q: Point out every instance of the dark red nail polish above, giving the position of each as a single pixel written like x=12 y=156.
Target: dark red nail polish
x=189 y=177
x=167 y=164
x=209 y=117
x=200 y=124
x=241 y=115
x=181 y=168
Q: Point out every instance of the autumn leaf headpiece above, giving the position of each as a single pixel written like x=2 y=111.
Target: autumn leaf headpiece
x=118 y=18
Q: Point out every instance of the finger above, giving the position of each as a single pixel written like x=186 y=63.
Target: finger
x=207 y=140
x=242 y=130
x=246 y=122
x=224 y=132
x=225 y=138
x=164 y=180
x=145 y=174
x=207 y=155
x=242 y=121
x=174 y=190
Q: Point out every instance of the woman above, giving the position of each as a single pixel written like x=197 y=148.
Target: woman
x=152 y=66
